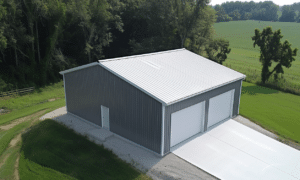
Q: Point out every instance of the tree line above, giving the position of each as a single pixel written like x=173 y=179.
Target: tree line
x=40 y=38
x=265 y=11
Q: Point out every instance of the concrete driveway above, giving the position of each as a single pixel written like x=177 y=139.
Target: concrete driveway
x=233 y=151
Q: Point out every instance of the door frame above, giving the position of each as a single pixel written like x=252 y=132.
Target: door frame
x=102 y=118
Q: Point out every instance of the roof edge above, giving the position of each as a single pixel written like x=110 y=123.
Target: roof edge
x=219 y=64
x=78 y=68
x=209 y=89
x=134 y=56
x=134 y=85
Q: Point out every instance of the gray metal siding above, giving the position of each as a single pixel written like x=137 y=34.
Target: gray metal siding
x=133 y=114
x=194 y=100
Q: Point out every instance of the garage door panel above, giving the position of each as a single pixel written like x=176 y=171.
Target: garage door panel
x=186 y=123
x=220 y=108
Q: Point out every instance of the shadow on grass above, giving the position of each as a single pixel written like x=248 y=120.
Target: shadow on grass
x=54 y=146
x=253 y=90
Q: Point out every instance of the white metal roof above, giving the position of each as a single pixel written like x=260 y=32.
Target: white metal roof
x=171 y=76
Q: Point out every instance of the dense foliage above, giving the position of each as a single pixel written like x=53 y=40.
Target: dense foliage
x=288 y=14
x=40 y=38
x=266 y=10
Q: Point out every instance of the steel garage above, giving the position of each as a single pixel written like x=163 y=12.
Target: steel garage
x=155 y=100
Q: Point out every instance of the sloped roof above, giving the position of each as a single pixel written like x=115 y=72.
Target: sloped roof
x=170 y=76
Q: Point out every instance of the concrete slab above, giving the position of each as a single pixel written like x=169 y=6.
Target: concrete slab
x=101 y=134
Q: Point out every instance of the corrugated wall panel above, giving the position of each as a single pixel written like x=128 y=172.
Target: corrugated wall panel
x=194 y=100
x=82 y=97
x=133 y=114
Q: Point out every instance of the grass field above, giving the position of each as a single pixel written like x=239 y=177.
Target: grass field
x=274 y=110
x=245 y=58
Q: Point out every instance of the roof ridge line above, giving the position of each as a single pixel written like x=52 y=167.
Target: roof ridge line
x=140 y=55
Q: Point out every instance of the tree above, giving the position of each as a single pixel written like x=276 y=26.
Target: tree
x=266 y=10
x=271 y=49
x=203 y=32
x=246 y=16
x=217 y=50
x=174 y=24
x=186 y=14
x=235 y=15
x=298 y=18
x=271 y=10
x=154 y=28
x=3 y=40
x=221 y=14
x=296 y=6
x=259 y=14
x=288 y=14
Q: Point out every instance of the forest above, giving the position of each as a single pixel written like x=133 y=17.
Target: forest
x=40 y=38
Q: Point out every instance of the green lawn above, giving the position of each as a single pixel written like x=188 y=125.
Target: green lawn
x=38 y=96
x=245 y=58
x=52 y=150
x=274 y=110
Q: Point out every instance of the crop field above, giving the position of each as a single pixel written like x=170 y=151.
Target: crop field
x=245 y=58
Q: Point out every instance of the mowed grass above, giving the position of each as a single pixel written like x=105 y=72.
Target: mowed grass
x=245 y=58
x=274 y=110
x=38 y=96
x=59 y=151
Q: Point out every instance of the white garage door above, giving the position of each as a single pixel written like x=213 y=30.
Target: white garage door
x=186 y=123
x=220 y=108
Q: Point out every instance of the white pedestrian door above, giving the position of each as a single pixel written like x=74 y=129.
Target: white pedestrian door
x=105 y=117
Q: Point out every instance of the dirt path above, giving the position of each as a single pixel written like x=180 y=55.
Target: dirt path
x=4 y=160
x=14 y=142
x=16 y=173
x=18 y=121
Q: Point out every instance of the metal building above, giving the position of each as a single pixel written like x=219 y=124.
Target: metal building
x=155 y=100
